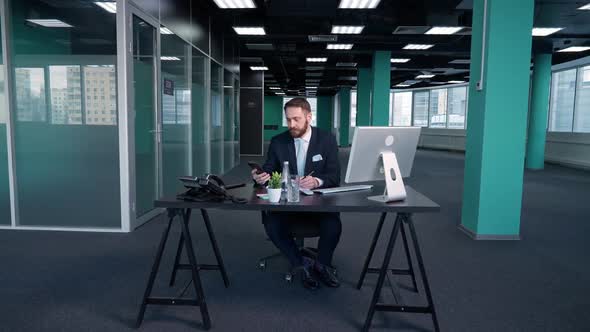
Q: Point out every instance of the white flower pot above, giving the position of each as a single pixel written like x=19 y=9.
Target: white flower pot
x=274 y=195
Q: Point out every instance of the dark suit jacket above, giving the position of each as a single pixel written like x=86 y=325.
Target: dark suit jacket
x=282 y=148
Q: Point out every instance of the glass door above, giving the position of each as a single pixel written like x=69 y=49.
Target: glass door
x=147 y=120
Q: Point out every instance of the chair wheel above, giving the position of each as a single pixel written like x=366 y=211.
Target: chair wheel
x=262 y=265
x=289 y=277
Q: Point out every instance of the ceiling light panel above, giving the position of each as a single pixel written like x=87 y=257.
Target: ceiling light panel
x=317 y=59
x=258 y=68
x=575 y=49
x=358 y=4
x=165 y=31
x=347 y=29
x=399 y=60
x=542 y=32
x=418 y=46
x=110 y=7
x=234 y=4
x=443 y=30
x=169 y=58
x=250 y=31
x=425 y=76
x=339 y=46
x=460 y=62
x=585 y=7
x=345 y=64
x=50 y=23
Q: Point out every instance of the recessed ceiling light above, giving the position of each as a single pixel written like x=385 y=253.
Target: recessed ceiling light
x=443 y=30
x=345 y=64
x=233 y=4
x=280 y=93
x=347 y=29
x=339 y=46
x=50 y=23
x=585 y=7
x=358 y=4
x=258 y=68
x=274 y=88
x=110 y=7
x=317 y=59
x=460 y=62
x=425 y=76
x=402 y=85
x=542 y=32
x=165 y=31
x=418 y=46
x=575 y=49
x=169 y=58
x=455 y=82
x=250 y=31
x=311 y=87
x=399 y=60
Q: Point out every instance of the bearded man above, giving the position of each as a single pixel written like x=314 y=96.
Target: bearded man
x=307 y=149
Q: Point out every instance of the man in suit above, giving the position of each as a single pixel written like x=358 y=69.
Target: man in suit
x=307 y=149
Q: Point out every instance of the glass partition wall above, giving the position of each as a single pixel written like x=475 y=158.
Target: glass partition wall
x=97 y=121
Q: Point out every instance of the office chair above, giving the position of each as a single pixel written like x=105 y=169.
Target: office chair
x=300 y=231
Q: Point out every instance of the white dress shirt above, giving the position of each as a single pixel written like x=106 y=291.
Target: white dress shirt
x=305 y=139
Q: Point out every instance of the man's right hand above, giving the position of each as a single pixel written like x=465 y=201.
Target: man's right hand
x=261 y=178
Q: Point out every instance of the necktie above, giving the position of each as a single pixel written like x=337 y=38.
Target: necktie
x=300 y=157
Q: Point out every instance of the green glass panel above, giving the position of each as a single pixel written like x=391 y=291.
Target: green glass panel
x=143 y=87
x=200 y=115
x=67 y=165
x=228 y=121
x=176 y=113
x=216 y=119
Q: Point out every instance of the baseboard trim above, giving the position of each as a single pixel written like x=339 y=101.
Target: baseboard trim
x=495 y=237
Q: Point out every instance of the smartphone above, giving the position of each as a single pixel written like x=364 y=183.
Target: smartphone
x=256 y=166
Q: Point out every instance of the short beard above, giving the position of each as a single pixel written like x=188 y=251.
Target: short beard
x=301 y=132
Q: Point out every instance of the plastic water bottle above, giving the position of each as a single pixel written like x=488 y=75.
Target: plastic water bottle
x=285 y=178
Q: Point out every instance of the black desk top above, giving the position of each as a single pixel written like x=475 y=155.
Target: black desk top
x=353 y=201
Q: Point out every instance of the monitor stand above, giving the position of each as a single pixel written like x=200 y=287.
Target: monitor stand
x=394 y=184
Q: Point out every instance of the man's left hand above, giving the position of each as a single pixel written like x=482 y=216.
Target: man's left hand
x=309 y=182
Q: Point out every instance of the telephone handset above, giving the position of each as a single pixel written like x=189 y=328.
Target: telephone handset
x=209 y=187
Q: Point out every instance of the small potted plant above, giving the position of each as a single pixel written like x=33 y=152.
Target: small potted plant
x=274 y=187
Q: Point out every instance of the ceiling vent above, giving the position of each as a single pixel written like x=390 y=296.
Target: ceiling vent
x=322 y=38
x=260 y=47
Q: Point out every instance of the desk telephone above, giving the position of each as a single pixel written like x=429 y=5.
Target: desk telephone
x=209 y=187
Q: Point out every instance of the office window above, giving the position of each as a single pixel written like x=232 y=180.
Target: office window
x=582 y=113
x=65 y=92
x=107 y=102
x=561 y=113
x=401 y=109
x=438 y=108
x=457 y=104
x=421 y=108
x=353 y=109
x=30 y=95
x=313 y=103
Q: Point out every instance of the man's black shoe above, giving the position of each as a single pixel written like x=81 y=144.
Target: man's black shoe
x=308 y=279
x=327 y=275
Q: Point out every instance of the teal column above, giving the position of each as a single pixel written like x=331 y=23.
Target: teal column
x=380 y=83
x=363 y=97
x=344 y=104
x=535 y=149
x=496 y=127
x=324 y=112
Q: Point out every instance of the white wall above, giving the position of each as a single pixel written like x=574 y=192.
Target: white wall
x=569 y=149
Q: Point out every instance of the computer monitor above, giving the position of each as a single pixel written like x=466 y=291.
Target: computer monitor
x=367 y=164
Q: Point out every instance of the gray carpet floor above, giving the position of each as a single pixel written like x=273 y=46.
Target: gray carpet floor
x=76 y=281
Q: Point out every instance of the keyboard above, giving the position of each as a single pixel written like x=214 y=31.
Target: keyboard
x=343 y=189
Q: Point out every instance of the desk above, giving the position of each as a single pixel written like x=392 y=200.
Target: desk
x=341 y=202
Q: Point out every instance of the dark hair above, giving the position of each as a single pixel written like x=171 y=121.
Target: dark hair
x=298 y=102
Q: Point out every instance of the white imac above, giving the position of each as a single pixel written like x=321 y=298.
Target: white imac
x=383 y=153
